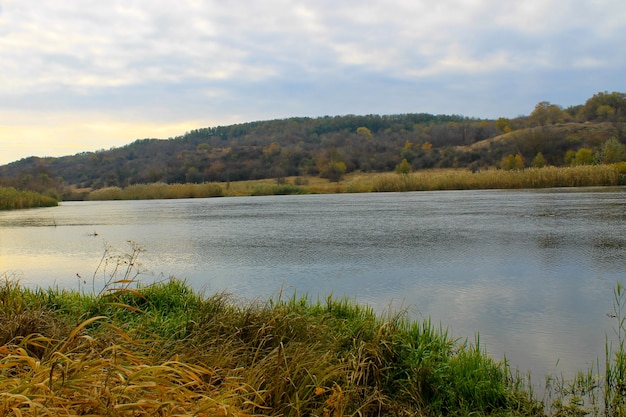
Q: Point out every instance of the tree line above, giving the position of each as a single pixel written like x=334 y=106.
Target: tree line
x=331 y=146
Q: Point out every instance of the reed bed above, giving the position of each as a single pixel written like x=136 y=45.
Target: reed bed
x=164 y=349
x=157 y=191
x=431 y=180
x=547 y=177
x=12 y=199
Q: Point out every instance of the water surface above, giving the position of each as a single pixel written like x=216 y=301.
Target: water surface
x=531 y=271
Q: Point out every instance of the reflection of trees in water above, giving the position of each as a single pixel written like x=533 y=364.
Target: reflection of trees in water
x=550 y=241
x=609 y=250
x=552 y=249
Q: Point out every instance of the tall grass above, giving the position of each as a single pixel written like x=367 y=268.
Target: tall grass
x=163 y=349
x=596 y=391
x=579 y=176
x=12 y=199
x=157 y=191
x=444 y=179
x=615 y=380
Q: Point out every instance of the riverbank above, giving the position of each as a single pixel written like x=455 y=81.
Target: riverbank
x=164 y=349
x=119 y=348
x=428 y=180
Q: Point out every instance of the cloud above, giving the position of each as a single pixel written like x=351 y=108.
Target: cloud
x=166 y=62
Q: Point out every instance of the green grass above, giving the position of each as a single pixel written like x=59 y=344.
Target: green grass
x=164 y=349
x=12 y=199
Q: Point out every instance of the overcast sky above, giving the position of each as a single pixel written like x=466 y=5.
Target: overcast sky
x=85 y=75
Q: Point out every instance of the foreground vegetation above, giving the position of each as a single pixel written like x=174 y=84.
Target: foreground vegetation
x=11 y=199
x=165 y=350
x=114 y=347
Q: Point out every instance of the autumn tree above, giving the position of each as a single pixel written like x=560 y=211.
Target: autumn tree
x=502 y=124
x=332 y=165
x=512 y=162
x=604 y=106
x=364 y=131
x=605 y=112
x=612 y=151
x=584 y=156
x=403 y=167
x=333 y=170
x=539 y=161
x=546 y=113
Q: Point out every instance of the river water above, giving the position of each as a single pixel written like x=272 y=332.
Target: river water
x=532 y=271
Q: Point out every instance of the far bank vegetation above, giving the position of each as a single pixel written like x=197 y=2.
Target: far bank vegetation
x=289 y=156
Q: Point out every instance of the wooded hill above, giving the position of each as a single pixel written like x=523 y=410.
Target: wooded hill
x=332 y=146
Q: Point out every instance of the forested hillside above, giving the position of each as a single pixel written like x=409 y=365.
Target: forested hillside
x=332 y=146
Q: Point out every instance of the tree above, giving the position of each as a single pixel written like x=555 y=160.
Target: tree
x=612 y=151
x=605 y=112
x=584 y=156
x=545 y=113
x=502 y=124
x=333 y=171
x=364 y=131
x=604 y=106
x=512 y=162
x=539 y=161
x=403 y=167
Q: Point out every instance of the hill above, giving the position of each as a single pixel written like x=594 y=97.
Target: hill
x=326 y=146
x=330 y=147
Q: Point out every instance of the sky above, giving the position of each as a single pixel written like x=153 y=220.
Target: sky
x=86 y=75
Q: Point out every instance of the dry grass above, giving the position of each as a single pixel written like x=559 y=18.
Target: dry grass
x=157 y=191
x=358 y=182
x=547 y=177
x=165 y=350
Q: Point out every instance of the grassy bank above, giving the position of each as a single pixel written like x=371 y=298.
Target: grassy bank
x=430 y=180
x=164 y=349
x=124 y=349
x=12 y=199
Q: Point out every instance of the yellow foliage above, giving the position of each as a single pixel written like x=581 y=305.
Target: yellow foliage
x=364 y=131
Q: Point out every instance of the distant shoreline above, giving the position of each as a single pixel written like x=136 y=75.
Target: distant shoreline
x=430 y=180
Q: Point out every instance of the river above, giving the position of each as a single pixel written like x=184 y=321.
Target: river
x=531 y=271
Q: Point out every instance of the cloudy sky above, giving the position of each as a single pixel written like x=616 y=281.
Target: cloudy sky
x=85 y=75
